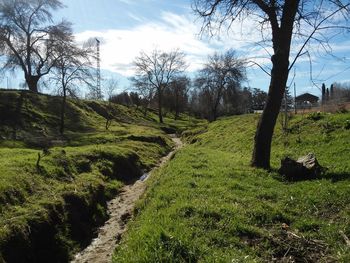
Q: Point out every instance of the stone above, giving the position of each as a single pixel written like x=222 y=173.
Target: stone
x=305 y=168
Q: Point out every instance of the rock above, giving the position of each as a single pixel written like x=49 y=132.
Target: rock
x=305 y=168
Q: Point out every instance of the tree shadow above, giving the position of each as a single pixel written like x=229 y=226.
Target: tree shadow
x=332 y=176
x=337 y=176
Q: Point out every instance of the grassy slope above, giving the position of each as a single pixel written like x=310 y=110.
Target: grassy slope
x=208 y=205
x=66 y=197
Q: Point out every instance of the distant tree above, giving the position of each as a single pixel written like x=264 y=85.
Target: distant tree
x=145 y=89
x=158 y=69
x=259 y=98
x=122 y=98
x=199 y=101
x=237 y=101
x=220 y=73
x=135 y=99
x=331 y=92
x=281 y=22
x=176 y=95
x=341 y=91
x=323 y=93
x=194 y=104
x=29 y=38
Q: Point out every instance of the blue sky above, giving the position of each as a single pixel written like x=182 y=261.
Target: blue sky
x=126 y=27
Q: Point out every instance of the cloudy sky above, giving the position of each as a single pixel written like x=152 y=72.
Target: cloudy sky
x=126 y=27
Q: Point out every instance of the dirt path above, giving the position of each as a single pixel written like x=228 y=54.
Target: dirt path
x=120 y=210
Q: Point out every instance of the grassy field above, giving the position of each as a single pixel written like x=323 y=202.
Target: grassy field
x=209 y=205
x=50 y=209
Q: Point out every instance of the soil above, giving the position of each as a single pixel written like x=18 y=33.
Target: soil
x=120 y=210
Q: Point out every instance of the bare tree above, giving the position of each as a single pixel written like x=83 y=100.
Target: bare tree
x=158 y=69
x=29 y=37
x=221 y=72
x=110 y=86
x=71 y=70
x=301 y=21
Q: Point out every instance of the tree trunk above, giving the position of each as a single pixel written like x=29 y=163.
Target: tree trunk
x=281 y=39
x=32 y=82
x=63 y=110
x=160 y=105
x=263 y=135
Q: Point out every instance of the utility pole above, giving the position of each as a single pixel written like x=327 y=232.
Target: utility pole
x=98 y=70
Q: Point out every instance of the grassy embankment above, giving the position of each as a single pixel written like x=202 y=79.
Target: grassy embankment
x=49 y=210
x=208 y=205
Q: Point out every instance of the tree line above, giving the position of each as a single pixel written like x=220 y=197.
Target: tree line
x=214 y=91
x=184 y=96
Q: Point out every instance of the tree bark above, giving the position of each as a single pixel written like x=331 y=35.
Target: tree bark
x=32 y=82
x=263 y=135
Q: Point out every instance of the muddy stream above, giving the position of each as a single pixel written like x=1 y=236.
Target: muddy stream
x=120 y=210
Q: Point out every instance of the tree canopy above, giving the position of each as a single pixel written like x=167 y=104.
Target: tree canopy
x=29 y=38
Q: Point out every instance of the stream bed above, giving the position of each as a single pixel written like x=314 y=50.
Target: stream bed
x=120 y=210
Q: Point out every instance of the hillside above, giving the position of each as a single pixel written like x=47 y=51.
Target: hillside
x=209 y=205
x=54 y=188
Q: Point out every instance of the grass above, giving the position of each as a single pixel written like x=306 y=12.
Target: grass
x=209 y=205
x=50 y=210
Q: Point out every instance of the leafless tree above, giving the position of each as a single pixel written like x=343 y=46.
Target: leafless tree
x=158 y=69
x=221 y=72
x=71 y=70
x=110 y=86
x=284 y=24
x=29 y=37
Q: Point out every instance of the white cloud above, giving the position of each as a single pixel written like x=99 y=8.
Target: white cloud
x=119 y=47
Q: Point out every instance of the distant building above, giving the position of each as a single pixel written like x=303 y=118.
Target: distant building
x=306 y=100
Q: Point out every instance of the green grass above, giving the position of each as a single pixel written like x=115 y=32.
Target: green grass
x=209 y=205
x=50 y=211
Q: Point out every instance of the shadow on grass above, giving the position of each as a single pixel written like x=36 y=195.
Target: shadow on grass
x=333 y=176
x=336 y=177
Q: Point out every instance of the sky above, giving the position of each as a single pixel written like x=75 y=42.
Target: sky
x=127 y=27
